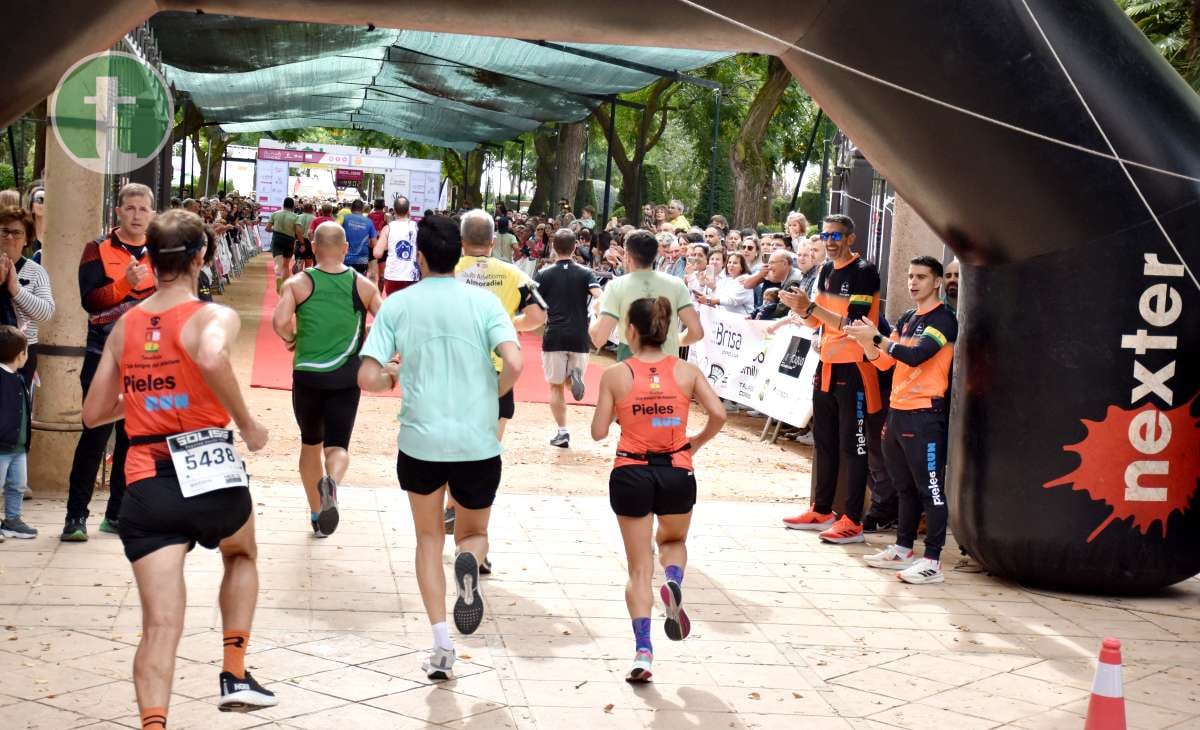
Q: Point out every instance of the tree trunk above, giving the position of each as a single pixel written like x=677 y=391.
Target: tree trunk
x=208 y=161
x=472 y=177
x=544 y=148
x=751 y=175
x=650 y=124
x=567 y=156
x=41 y=111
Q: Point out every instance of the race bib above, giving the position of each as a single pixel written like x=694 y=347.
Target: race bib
x=205 y=461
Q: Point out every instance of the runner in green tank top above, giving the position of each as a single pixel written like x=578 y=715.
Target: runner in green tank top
x=321 y=318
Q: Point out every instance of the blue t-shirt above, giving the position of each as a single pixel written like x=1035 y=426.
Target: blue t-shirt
x=359 y=230
x=444 y=332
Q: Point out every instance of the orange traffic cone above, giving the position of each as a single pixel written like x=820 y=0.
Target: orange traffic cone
x=1106 y=710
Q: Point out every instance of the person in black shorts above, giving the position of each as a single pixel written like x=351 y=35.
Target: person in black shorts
x=649 y=395
x=321 y=318
x=284 y=227
x=166 y=369
x=437 y=340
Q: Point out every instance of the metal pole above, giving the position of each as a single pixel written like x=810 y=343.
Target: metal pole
x=825 y=179
x=812 y=138
x=712 y=164
x=225 y=174
x=182 y=164
x=521 y=175
x=499 y=195
x=587 y=147
x=612 y=133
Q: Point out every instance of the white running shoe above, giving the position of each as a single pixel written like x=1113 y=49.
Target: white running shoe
x=922 y=571
x=640 y=672
x=439 y=665
x=893 y=557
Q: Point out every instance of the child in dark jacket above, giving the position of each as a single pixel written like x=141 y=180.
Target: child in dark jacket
x=15 y=421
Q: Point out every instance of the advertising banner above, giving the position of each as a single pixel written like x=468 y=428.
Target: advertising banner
x=753 y=366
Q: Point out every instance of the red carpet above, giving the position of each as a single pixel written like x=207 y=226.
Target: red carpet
x=273 y=364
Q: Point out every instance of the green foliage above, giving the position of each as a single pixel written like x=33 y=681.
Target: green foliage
x=7 y=178
x=1170 y=26
x=723 y=199
x=585 y=194
x=651 y=183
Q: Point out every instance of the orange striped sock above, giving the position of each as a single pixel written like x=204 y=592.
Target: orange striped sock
x=235 y=652
x=154 y=718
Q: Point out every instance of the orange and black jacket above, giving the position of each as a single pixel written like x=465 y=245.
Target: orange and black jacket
x=922 y=350
x=850 y=291
x=103 y=289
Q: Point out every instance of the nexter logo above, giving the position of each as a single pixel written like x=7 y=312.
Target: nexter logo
x=170 y=402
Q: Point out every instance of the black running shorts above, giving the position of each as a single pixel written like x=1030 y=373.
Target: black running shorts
x=360 y=268
x=304 y=249
x=155 y=514
x=282 y=245
x=325 y=416
x=508 y=405
x=636 y=491
x=473 y=484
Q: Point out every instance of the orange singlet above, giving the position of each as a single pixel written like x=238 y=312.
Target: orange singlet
x=165 y=393
x=653 y=416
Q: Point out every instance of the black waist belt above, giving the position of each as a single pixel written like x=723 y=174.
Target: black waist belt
x=149 y=439
x=654 y=458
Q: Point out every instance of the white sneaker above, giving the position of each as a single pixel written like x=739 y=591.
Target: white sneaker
x=922 y=571
x=641 y=670
x=561 y=439
x=439 y=664
x=893 y=557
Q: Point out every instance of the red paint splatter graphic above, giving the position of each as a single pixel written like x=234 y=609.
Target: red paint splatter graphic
x=1143 y=463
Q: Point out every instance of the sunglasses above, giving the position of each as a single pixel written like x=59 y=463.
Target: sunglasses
x=831 y=235
x=39 y=198
x=747 y=246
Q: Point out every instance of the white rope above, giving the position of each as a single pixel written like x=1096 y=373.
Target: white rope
x=1111 y=155
x=1104 y=136
x=939 y=102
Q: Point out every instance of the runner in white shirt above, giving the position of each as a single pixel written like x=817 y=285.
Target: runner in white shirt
x=398 y=241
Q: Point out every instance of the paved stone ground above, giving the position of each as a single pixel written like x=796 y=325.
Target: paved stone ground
x=787 y=633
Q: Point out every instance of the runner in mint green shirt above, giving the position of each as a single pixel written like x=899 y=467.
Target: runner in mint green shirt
x=444 y=332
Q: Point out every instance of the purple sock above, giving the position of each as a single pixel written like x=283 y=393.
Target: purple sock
x=641 y=634
x=675 y=573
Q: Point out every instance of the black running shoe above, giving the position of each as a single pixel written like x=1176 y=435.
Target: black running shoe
x=872 y=524
x=328 y=518
x=677 y=626
x=75 y=530
x=468 y=609
x=244 y=695
x=485 y=568
x=448 y=518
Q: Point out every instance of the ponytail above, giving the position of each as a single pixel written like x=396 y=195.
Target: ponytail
x=652 y=320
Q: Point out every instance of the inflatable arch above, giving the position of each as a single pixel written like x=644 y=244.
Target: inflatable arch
x=1044 y=140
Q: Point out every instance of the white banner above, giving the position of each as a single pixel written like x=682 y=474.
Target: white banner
x=271 y=184
x=753 y=367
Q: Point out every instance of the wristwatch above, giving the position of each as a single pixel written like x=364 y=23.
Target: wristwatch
x=877 y=340
x=809 y=310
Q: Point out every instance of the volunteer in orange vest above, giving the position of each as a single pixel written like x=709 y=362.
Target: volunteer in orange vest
x=114 y=275
x=649 y=395
x=166 y=370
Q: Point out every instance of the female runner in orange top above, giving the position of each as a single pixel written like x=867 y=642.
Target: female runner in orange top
x=650 y=395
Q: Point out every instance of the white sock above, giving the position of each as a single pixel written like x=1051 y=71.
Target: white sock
x=441 y=636
x=562 y=431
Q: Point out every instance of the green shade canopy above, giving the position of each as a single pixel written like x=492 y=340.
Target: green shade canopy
x=449 y=90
